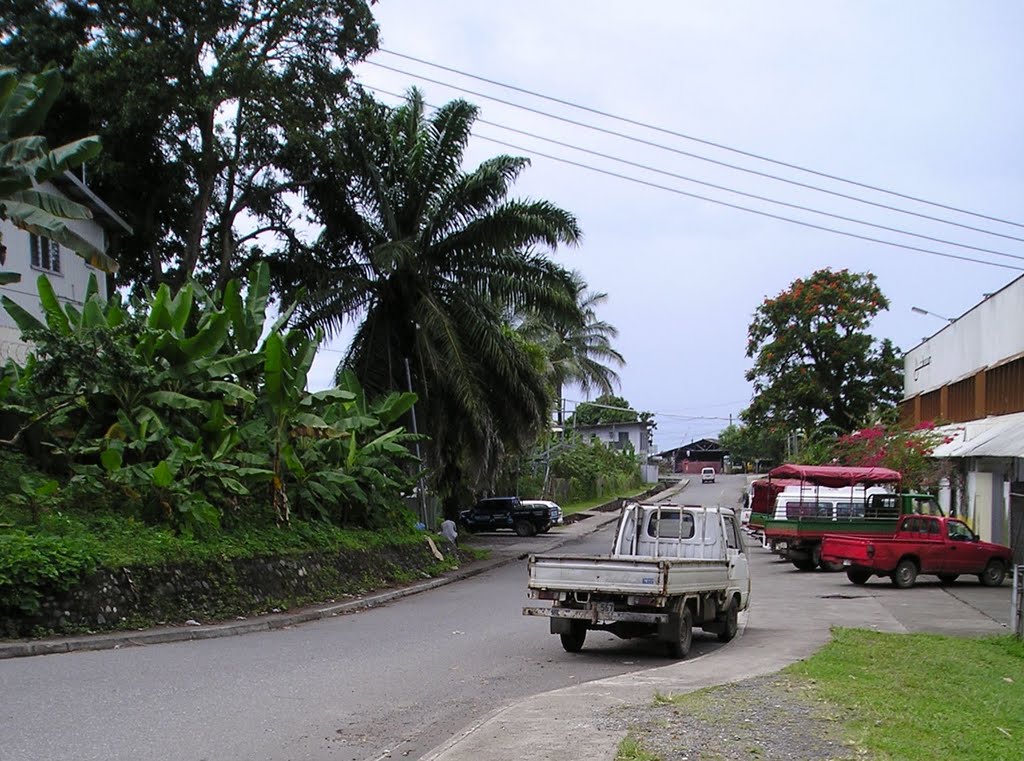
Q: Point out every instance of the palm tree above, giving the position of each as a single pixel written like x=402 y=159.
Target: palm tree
x=427 y=258
x=580 y=350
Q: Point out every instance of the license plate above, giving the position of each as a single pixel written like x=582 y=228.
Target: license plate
x=604 y=608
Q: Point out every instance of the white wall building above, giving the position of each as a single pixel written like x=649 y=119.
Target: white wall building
x=969 y=378
x=32 y=256
x=620 y=436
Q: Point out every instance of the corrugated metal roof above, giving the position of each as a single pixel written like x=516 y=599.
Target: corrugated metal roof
x=997 y=436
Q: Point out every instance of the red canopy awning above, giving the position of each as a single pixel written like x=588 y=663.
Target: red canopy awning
x=766 y=490
x=836 y=475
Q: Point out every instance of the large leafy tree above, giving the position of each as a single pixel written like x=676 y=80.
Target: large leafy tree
x=201 y=106
x=608 y=408
x=753 y=443
x=26 y=161
x=815 y=362
x=427 y=259
x=580 y=351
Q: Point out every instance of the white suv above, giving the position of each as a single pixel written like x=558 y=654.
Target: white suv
x=556 y=510
x=707 y=475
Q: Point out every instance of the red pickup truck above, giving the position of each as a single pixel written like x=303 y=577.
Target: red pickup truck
x=924 y=544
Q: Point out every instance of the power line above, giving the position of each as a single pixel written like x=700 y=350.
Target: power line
x=703 y=141
x=697 y=156
x=726 y=188
x=759 y=212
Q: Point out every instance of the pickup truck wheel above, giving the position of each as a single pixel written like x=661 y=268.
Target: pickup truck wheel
x=731 y=619
x=525 y=528
x=858 y=576
x=679 y=647
x=993 y=574
x=572 y=641
x=948 y=578
x=905 y=574
x=807 y=564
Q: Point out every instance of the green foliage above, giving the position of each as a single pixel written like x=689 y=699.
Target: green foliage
x=192 y=149
x=30 y=564
x=593 y=470
x=26 y=160
x=903 y=696
x=813 y=358
x=432 y=259
x=752 y=443
x=578 y=350
x=631 y=749
x=606 y=408
x=185 y=411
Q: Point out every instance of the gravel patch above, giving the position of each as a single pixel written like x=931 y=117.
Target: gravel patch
x=772 y=718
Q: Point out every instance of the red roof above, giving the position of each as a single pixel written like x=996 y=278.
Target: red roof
x=836 y=475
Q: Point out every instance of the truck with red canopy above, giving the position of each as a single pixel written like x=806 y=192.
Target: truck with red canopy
x=837 y=499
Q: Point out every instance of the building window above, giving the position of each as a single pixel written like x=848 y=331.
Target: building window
x=45 y=254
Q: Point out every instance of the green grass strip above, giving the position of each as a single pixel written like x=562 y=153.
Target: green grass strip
x=924 y=696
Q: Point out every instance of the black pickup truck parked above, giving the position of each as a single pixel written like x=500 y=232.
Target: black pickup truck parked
x=496 y=513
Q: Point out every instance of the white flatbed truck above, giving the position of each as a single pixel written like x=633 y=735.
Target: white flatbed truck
x=672 y=567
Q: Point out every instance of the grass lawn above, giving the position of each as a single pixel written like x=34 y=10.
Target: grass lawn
x=923 y=696
x=576 y=507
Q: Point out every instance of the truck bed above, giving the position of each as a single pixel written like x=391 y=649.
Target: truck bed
x=627 y=575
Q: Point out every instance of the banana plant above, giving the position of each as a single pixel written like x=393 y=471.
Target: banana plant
x=26 y=161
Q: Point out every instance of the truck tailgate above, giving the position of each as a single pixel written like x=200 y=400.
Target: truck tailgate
x=623 y=575
x=838 y=549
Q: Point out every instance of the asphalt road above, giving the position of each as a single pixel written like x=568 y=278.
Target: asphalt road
x=391 y=682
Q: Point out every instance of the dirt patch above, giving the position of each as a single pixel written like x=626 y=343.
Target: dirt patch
x=773 y=718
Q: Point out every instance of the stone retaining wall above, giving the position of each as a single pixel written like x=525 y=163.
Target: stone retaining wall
x=218 y=589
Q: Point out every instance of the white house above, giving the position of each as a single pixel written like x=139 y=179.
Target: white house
x=32 y=256
x=636 y=435
x=969 y=377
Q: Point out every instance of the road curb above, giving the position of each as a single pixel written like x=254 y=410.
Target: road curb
x=271 y=622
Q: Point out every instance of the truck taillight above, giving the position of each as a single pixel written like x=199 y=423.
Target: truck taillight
x=547 y=594
x=871 y=550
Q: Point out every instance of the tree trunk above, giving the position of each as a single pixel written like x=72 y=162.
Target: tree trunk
x=207 y=180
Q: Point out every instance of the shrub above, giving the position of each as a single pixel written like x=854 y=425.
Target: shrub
x=29 y=564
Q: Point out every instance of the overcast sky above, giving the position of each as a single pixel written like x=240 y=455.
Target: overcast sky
x=918 y=97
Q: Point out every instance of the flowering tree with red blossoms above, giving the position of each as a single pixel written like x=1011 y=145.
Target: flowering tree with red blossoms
x=815 y=364
x=906 y=450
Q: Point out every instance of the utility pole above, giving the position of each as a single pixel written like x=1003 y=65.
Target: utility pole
x=422 y=498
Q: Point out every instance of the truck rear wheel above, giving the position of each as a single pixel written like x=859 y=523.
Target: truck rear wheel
x=805 y=564
x=993 y=574
x=858 y=576
x=524 y=528
x=905 y=574
x=679 y=645
x=730 y=619
x=572 y=640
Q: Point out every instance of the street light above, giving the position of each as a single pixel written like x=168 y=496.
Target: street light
x=925 y=311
